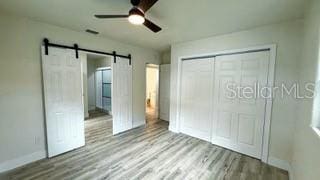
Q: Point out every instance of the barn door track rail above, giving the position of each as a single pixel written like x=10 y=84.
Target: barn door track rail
x=75 y=47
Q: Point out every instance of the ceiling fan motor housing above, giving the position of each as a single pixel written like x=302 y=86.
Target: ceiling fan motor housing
x=136 y=11
x=135 y=2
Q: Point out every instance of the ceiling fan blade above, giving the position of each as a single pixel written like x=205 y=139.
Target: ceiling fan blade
x=145 y=5
x=110 y=16
x=153 y=27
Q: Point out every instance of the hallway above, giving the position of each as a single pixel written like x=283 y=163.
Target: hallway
x=151 y=116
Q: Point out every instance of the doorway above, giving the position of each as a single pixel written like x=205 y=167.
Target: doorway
x=109 y=95
x=152 y=93
x=99 y=81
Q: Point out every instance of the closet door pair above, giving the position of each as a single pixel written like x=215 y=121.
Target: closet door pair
x=219 y=101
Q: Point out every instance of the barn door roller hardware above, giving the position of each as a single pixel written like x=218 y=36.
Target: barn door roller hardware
x=115 y=57
x=75 y=47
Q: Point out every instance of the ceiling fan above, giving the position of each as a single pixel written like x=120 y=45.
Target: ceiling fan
x=136 y=14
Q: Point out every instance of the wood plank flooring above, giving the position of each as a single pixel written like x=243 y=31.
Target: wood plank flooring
x=96 y=113
x=146 y=153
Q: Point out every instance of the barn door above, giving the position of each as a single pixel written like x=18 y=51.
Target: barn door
x=122 y=95
x=238 y=122
x=63 y=100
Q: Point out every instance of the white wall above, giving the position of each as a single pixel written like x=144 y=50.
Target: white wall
x=91 y=66
x=166 y=57
x=22 y=133
x=288 y=37
x=103 y=62
x=306 y=149
x=164 y=91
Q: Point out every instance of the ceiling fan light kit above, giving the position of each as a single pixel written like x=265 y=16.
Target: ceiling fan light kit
x=136 y=17
x=136 y=14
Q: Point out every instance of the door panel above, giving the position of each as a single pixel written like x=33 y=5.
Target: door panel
x=224 y=125
x=238 y=122
x=122 y=96
x=246 y=129
x=63 y=101
x=196 y=92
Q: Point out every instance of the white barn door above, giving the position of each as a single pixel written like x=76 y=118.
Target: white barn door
x=238 y=122
x=196 y=95
x=63 y=101
x=121 y=95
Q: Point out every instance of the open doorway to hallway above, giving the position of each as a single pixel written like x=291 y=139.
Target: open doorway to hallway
x=152 y=93
x=99 y=81
x=107 y=90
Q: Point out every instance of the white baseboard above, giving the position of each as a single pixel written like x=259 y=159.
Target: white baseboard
x=138 y=124
x=92 y=107
x=172 y=129
x=282 y=164
x=23 y=160
x=165 y=119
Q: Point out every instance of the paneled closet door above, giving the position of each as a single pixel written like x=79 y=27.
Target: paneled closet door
x=238 y=121
x=196 y=95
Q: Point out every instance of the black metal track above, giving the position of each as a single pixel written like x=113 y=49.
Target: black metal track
x=76 y=48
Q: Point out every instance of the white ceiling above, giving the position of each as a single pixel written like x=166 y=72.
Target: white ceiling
x=181 y=20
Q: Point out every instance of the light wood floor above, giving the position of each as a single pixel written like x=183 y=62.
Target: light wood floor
x=151 y=116
x=146 y=153
x=96 y=113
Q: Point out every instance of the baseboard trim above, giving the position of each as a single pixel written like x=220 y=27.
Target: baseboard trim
x=172 y=129
x=23 y=160
x=141 y=123
x=164 y=119
x=282 y=164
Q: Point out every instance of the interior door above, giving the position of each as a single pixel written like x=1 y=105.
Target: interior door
x=238 y=122
x=122 y=95
x=63 y=101
x=165 y=92
x=196 y=95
